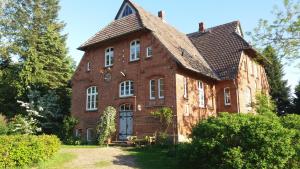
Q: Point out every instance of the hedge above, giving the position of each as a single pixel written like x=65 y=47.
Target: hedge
x=26 y=150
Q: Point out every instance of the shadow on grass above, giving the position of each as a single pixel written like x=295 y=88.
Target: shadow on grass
x=150 y=158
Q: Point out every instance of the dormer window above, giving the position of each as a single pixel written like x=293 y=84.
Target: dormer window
x=127 y=11
x=109 y=57
x=135 y=50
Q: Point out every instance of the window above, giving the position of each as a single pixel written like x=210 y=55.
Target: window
x=248 y=99
x=186 y=110
x=250 y=67
x=135 y=50
x=161 y=88
x=78 y=132
x=126 y=107
x=227 y=99
x=89 y=134
x=88 y=67
x=127 y=11
x=201 y=94
x=126 y=88
x=185 y=88
x=92 y=98
x=109 y=57
x=149 y=52
x=152 y=89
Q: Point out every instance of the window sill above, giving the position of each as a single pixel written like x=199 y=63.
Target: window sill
x=93 y=110
x=108 y=66
x=148 y=57
x=161 y=98
x=227 y=105
x=134 y=61
x=124 y=97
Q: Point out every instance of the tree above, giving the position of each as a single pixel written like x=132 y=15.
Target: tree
x=297 y=99
x=106 y=125
x=283 y=33
x=279 y=90
x=31 y=33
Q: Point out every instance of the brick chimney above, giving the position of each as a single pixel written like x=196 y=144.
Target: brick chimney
x=161 y=14
x=201 y=27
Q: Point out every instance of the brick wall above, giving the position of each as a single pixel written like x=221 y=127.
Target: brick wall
x=160 y=65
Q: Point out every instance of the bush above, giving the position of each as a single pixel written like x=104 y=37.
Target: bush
x=292 y=122
x=25 y=150
x=106 y=125
x=3 y=125
x=238 y=141
x=69 y=124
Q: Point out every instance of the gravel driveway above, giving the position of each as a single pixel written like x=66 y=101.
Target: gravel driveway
x=94 y=158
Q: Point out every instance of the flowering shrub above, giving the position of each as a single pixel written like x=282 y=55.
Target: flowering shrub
x=106 y=126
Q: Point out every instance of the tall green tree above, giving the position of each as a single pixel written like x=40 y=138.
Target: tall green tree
x=33 y=45
x=283 y=32
x=297 y=99
x=279 y=89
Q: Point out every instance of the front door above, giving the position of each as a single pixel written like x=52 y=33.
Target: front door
x=126 y=122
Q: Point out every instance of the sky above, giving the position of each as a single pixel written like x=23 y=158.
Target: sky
x=84 y=18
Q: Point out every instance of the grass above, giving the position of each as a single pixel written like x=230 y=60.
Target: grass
x=80 y=146
x=57 y=162
x=154 y=157
x=103 y=164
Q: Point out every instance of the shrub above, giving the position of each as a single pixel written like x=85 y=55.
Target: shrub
x=3 y=125
x=23 y=125
x=292 y=122
x=25 y=150
x=238 y=141
x=69 y=124
x=165 y=116
x=264 y=105
x=106 y=126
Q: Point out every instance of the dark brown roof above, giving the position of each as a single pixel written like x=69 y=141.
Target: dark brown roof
x=116 y=28
x=221 y=47
x=177 y=43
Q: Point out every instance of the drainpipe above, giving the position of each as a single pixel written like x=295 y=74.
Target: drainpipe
x=237 y=96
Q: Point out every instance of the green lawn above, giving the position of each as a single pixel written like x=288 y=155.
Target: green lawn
x=57 y=162
x=154 y=158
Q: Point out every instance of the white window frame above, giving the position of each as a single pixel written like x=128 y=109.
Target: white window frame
x=201 y=94
x=135 y=49
x=152 y=89
x=185 y=88
x=87 y=134
x=149 y=54
x=130 y=88
x=109 y=56
x=186 y=110
x=93 y=104
x=161 y=91
x=88 y=67
x=248 y=96
x=226 y=96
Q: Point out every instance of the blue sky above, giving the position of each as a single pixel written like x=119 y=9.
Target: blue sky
x=85 y=17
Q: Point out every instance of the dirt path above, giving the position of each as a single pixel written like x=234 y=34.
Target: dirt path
x=94 y=158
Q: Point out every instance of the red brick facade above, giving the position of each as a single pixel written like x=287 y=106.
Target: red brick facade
x=187 y=110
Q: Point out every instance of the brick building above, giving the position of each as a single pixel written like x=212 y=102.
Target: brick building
x=139 y=63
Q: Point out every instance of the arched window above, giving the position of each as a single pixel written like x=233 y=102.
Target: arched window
x=135 y=50
x=92 y=98
x=126 y=88
x=109 y=57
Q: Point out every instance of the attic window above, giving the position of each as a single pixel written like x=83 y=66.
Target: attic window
x=127 y=11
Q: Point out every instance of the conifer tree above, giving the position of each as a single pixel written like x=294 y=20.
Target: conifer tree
x=297 y=99
x=279 y=90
